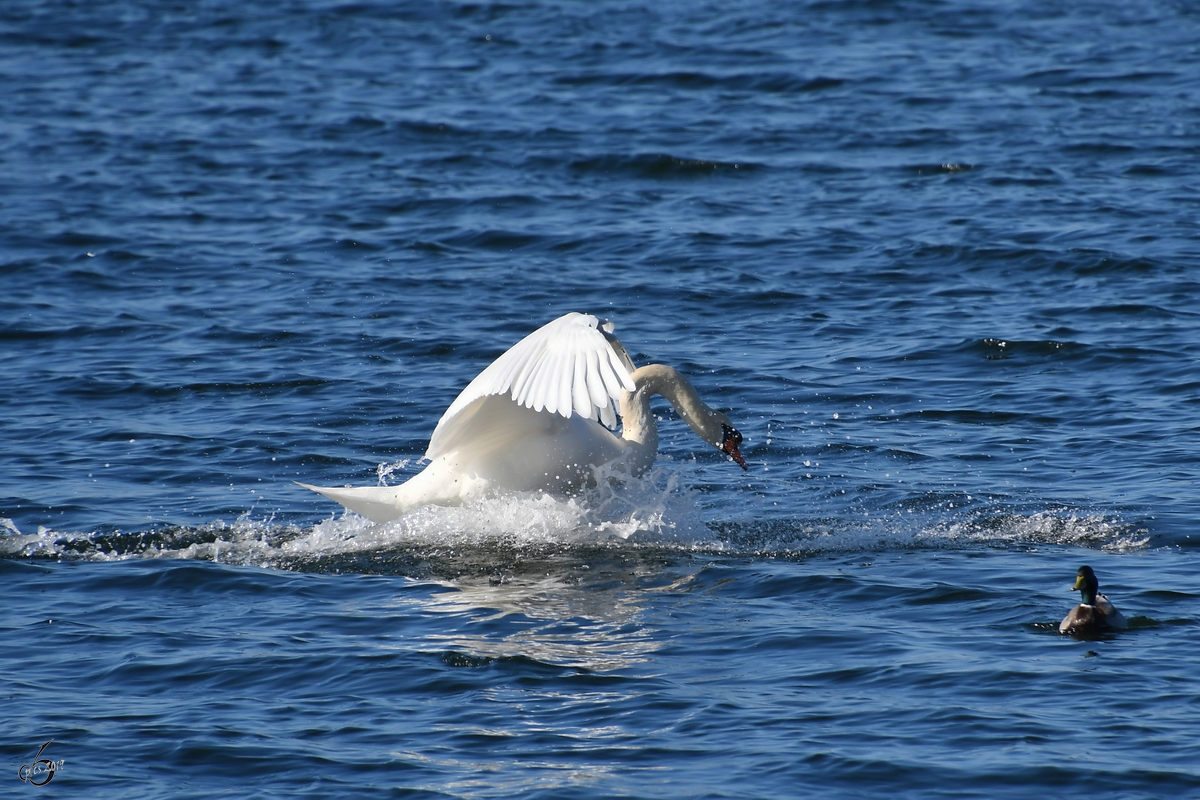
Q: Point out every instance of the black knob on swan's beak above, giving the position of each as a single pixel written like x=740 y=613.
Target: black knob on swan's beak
x=730 y=445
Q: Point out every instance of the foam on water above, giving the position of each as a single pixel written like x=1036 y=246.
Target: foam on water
x=658 y=509
x=660 y=512
x=996 y=527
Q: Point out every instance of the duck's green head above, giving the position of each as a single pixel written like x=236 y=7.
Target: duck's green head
x=1087 y=585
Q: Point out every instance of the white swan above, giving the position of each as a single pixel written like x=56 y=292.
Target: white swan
x=529 y=422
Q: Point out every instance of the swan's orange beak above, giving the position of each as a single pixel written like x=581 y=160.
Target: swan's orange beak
x=730 y=446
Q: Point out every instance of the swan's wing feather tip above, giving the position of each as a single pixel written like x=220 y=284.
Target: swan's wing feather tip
x=542 y=372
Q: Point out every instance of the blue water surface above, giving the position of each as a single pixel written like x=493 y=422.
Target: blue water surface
x=937 y=259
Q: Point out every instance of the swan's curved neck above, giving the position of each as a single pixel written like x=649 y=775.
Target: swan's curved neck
x=637 y=423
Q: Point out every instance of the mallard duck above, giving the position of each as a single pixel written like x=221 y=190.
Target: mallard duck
x=1095 y=614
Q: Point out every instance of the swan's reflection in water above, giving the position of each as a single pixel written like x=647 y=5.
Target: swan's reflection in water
x=547 y=622
x=578 y=610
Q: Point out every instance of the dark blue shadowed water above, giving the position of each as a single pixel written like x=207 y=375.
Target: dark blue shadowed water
x=938 y=260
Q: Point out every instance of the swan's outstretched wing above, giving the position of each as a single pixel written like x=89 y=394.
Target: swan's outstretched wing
x=566 y=366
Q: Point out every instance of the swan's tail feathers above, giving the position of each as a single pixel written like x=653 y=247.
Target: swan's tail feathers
x=376 y=503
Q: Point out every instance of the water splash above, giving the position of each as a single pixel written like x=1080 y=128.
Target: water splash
x=971 y=528
x=498 y=534
x=386 y=470
x=657 y=509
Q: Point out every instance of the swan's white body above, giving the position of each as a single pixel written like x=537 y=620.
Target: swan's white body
x=532 y=421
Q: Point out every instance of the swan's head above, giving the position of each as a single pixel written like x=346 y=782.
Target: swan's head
x=731 y=440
